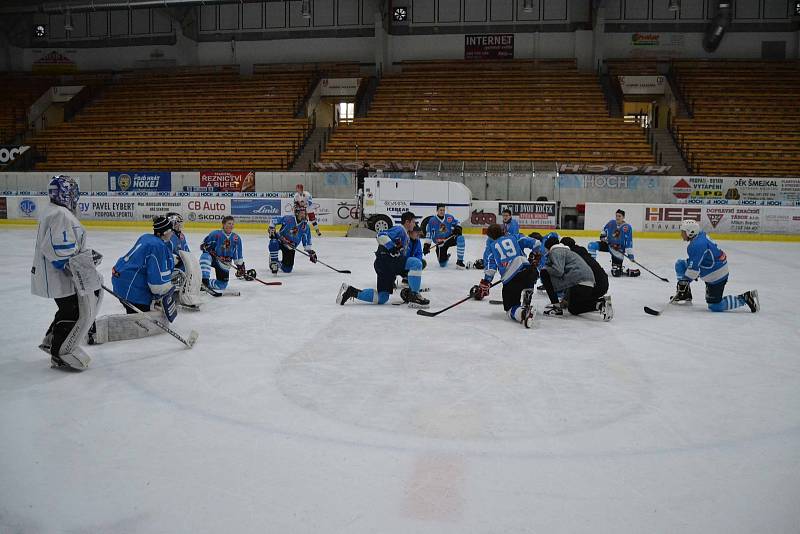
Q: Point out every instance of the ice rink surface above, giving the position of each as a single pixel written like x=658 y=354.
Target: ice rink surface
x=295 y=415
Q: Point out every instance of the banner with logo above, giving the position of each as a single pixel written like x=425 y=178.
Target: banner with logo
x=489 y=46
x=736 y=190
x=736 y=219
x=228 y=181
x=9 y=152
x=339 y=86
x=531 y=215
x=139 y=181
x=256 y=209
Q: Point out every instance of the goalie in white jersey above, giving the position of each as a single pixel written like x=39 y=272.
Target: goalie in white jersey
x=303 y=199
x=64 y=270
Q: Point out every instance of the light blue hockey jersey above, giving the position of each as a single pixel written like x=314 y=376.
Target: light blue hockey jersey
x=619 y=236
x=505 y=255
x=227 y=247
x=144 y=271
x=441 y=229
x=178 y=242
x=706 y=260
x=395 y=238
x=511 y=228
x=291 y=229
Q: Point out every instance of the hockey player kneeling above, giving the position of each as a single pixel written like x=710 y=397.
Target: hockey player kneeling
x=139 y=278
x=504 y=253
x=392 y=259
x=708 y=262
x=186 y=276
x=64 y=270
x=566 y=272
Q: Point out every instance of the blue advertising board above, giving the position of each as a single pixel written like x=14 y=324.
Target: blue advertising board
x=139 y=181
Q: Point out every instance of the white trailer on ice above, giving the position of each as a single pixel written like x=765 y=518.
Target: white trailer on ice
x=385 y=200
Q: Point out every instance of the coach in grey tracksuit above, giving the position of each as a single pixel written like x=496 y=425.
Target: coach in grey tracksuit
x=566 y=271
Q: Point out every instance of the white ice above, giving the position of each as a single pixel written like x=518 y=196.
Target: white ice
x=295 y=415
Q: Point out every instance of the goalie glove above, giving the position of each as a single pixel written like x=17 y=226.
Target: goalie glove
x=426 y=249
x=312 y=256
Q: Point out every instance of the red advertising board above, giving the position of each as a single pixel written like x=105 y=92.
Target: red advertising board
x=229 y=181
x=489 y=46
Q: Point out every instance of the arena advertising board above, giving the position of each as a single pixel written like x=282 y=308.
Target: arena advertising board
x=736 y=190
x=735 y=219
x=531 y=215
x=139 y=181
x=228 y=181
x=489 y=46
x=192 y=208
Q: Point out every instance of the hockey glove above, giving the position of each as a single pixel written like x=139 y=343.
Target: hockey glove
x=312 y=256
x=534 y=258
x=207 y=247
x=603 y=237
x=273 y=234
x=169 y=305
x=241 y=270
x=426 y=248
x=457 y=230
x=480 y=291
x=629 y=255
x=250 y=275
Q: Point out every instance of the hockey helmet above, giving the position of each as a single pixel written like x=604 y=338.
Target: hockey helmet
x=691 y=227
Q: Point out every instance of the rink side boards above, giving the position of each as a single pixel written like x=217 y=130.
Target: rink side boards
x=339 y=230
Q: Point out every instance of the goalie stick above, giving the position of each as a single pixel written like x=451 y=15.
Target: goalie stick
x=426 y=313
x=189 y=342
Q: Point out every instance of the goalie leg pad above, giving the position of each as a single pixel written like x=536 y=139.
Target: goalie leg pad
x=190 y=295
x=122 y=327
x=84 y=274
x=75 y=331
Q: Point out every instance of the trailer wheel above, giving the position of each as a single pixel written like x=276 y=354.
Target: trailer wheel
x=379 y=223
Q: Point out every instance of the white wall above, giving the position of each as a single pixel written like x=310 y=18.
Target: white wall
x=690 y=45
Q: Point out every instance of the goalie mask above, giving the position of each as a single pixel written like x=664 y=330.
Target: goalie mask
x=64 y=191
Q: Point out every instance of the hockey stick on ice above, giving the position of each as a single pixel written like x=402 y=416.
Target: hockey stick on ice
x=620 y=255
x=304 y=253
x=189 y=342
x=653 y=311
x=426 y=313
x=230 y=266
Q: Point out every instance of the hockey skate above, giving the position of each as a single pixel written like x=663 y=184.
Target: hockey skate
x=273 y=268
x=683 y=293
x=206 y=286
x=605 y=308
x=460 y=265
x=751 y=298
x=528 y=308
x=616 y=271
x=346 y=292
x=477 y=264
x=414 y=300
x=553 y=310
